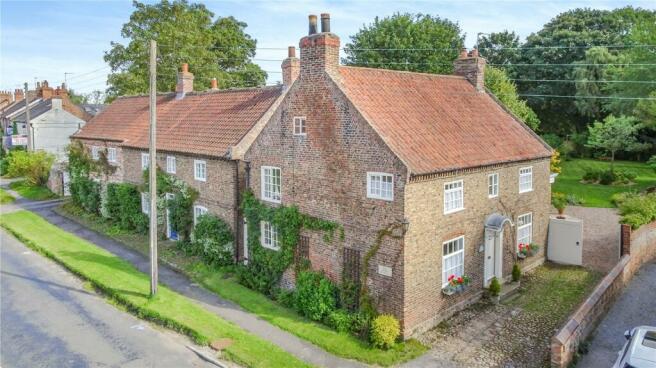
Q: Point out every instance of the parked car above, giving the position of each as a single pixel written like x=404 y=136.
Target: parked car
x=639 y=351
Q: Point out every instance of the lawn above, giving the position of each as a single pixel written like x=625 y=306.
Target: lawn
x=34 y=193
x=221 y=283
x=6 y=197
x=597 y=195
x=129 y=287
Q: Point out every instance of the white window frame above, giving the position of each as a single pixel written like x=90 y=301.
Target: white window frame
x=458 y=253
x=198 y=211
x=269 y=237
x=448 y=191
x=197 y=172
x=522 y=225
x=171 y=165
x=145 y=203
x=493 y=185
x=527 y=185
x=300 y=125
x=270 y=191
x=382 y=190
x=95 y=153
x=145 y=161
x=111 y=154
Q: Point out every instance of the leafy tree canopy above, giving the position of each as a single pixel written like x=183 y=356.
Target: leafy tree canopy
x=616 y=134
x=497 y=82
x=185 y=33
x=435 y=43
x=591 y=77
x=500 y=47
x=578 y=27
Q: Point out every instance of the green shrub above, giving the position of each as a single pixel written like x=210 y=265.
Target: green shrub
x=559 y=201
x=124 y=207
x=638 y=209
x=349 y=293
x=213 y=240
x=286 y=298
x=591 y=174
x=607 y=177
x=384 y=331
x=315 y=295
x=86 y=193
x=516 y=272
x=652 y=162
x=574 y=200
x=361 y=324
x=34 y=166
x=495 y=287
x=339 y=320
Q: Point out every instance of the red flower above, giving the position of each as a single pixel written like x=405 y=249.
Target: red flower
x=460 y=280
x=451 y=277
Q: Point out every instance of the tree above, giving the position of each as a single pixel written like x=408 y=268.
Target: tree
x=616 y=134
x=562 y=41
x=498 y=84
x=500 y=47
x=96 y=97
x=185 y=33
x=414 y=42
x=591 y=77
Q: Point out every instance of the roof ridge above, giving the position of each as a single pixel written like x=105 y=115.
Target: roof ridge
x=403 y=72
x=207 y=92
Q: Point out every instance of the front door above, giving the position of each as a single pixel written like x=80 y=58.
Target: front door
x=170 y=232
x=493 y=256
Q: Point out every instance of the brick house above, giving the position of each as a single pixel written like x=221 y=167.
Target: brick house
x=200 y=139
x=437 y=155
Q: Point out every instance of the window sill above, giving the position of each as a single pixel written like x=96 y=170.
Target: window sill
x=201 y=180
x=454 y=211
x=492 y=197
x=382 y=199
x=525 y=191
x=271 y=200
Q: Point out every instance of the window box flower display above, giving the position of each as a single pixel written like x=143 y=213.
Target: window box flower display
x=527 y=250
x=457 y=284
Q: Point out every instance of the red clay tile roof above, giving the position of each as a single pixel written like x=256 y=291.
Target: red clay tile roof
x=206 y=123
x=437 y=123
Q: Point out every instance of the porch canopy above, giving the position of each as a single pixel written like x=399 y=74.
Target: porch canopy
x=496 y=221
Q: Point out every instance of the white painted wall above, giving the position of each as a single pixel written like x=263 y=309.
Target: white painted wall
x=53 y=129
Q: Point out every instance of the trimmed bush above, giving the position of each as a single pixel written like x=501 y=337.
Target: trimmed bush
x=384 y=331
x=516 y=272
x=86 y=193
x=339 y=320
x=213 y=240
x=315 y=295
x=124 y=207
x=34 y=166
x=495 y=287
x=636 y=209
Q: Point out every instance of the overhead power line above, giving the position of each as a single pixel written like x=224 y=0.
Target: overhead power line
x=582 y=81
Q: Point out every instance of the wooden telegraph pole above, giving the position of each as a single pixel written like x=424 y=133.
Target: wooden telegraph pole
x=152 y=168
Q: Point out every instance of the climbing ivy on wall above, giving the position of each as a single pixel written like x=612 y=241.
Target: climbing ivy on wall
x=265 y=266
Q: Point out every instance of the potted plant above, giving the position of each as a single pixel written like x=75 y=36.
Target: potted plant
x=457 y=284
x=494 y=290
x=559 y=200
x=527 y=250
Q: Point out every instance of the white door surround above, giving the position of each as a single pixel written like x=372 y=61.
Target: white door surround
x=493 y=256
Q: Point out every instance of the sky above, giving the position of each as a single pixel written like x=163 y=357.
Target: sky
x=43 y=40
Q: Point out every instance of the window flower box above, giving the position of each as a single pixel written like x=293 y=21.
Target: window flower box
x=456 y=285
x=527 y=250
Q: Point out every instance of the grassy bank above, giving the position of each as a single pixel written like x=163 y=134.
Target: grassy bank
x=6 y=197
x=34 y=193
x=597 y=195
x=129 y=287
x=221 y=283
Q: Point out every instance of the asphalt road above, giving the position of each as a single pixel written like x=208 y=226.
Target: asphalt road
x=635 y=307
x=48 y=319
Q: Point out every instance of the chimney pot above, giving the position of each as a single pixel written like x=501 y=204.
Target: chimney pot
x=463 y=52
x=291 y=51
x=325 y=22
x=474 y=52
x=313 y=24
x=185 y=67
x=214 y=84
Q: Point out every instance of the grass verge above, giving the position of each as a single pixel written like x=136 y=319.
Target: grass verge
x=221 y=283
x=32 y=192
x=127 y=286
x=6 y=197
x=597 y=195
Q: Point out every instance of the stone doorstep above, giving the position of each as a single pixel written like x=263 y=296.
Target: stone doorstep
x=508 y=290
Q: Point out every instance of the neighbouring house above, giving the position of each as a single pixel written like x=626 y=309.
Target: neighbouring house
x=433 y=166
x=53 y=118
x=200 y=138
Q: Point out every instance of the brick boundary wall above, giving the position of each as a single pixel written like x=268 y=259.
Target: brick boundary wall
x=638 y=247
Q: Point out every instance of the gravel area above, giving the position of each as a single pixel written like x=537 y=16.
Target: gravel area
x=601 y=236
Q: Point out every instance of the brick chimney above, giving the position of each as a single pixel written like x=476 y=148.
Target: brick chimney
x=61 y=91
x=319 y=51
x=18 y=94
x=45 y=91
x=472 y=67
x=214 y=84
x=185 y=82
x=290 y=67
